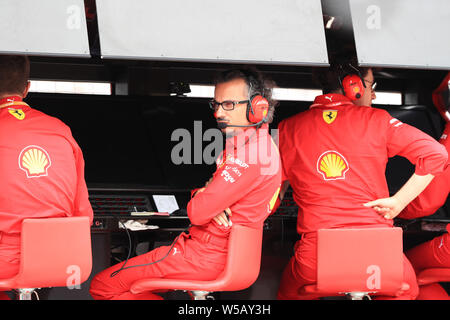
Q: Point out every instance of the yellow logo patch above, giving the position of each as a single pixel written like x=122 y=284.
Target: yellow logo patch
x=18 y=113
x=35 y=161
x=329 y=116
x=274 y=199
x=332 y=165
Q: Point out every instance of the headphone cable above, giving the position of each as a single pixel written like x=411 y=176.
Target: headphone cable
x=123 y=267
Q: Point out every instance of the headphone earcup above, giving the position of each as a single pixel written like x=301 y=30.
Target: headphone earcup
x=353 y=87
x=257 y=109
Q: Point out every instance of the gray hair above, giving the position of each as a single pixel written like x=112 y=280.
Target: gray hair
x=256 y=83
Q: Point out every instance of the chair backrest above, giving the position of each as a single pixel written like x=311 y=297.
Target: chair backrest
x=54 y=252
x=243 y=260
x=360 y=260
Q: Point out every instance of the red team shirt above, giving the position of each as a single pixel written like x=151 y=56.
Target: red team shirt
x=434 y=196
x=333 y=172
x=248 y=175
x=41 y=168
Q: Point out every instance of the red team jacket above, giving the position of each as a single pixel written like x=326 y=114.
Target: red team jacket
x=434 y=196
x=334 y=156
x=41 y=168
x=248 y=175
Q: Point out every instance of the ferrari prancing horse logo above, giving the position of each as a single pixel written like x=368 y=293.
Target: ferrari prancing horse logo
x=18 y=113
x=329 y=115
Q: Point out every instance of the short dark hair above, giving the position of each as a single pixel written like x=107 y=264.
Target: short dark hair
x=14 y=73
x=328 y=78
x=256 y=82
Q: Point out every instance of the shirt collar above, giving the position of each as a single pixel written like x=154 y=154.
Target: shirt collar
x=13 y=102
x=10 y=99
x=331 y=100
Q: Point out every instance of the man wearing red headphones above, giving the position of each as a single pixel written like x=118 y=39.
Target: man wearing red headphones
x=244 y=185
x=334 y=156
x=436 y=252
x=41 y=165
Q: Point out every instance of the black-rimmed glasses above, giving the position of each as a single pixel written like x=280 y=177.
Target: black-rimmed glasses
x=373 y=84
x=227 y=105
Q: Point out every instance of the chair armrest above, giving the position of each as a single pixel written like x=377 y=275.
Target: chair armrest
x=176 y=284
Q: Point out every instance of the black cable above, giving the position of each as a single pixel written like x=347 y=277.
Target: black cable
x=129 y=249
x=113 y=274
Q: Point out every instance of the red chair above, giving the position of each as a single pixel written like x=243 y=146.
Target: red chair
x=433 y=275
x=358 y=263
x=241 y=268
x=55 y=252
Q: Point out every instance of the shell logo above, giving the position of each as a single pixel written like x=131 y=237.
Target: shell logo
x=332 y=165
x=35 y=161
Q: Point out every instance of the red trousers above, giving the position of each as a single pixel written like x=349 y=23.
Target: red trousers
x=431 y=254
x=9 y=258
x=302 y=270
x=198 y=256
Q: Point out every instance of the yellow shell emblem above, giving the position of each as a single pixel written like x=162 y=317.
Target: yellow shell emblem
x=35 y=161
x=332 y=165
x=329 y=115
x=18 y=113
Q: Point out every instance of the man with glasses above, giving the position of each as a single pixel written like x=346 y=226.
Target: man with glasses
x=334 y=156
x=242 y=191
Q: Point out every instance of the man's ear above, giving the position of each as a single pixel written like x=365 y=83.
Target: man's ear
x=25 y=92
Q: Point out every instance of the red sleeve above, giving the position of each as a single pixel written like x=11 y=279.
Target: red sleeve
x=435 y=195
x=82 y=206
x=430 y=200
x=230 y=183
x=420 y=149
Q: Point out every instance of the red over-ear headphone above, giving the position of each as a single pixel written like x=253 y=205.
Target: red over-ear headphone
x=257 y=109
x=352 y=84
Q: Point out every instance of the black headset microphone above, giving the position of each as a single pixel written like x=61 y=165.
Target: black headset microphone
x=223 y=125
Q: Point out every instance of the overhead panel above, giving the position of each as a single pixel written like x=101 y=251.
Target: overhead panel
x=255 y=31
x=402 y=33
x=44 y=27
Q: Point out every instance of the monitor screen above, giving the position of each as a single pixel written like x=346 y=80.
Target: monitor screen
x=116 y=144
x=128 y=141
